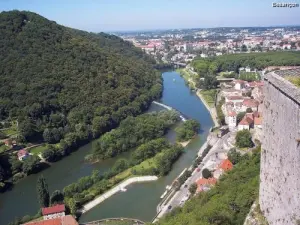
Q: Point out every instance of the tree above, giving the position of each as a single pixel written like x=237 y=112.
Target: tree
x=249 y=110
x=193 y=188
x=72 y=206
x=244 y=48
x=206 y=173
x=243 y=139
x=57 y=197
x=31 y=164
x=234 y=156
x=42 y=192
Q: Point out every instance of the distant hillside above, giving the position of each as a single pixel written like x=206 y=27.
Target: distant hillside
x=65 y=85
x=233 y=62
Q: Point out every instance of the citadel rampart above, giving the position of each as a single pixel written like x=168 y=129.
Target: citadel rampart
x=279 y=194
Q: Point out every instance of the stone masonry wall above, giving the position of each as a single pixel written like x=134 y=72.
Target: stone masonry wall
x=279 y=194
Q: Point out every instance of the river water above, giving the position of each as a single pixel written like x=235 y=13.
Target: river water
x=140 y=200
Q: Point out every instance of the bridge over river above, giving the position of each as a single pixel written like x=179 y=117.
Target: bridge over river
x=170 y=108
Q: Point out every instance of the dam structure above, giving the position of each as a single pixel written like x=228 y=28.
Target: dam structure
x=279 y=194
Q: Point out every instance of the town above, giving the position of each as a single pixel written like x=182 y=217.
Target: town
x=183 y=45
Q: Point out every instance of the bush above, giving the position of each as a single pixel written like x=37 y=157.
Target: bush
x=243 y=139
x=193 y=188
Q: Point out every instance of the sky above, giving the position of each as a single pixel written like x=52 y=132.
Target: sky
x=131 y=15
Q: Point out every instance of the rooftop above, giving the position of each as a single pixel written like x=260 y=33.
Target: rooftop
x=53 y=209
x=65 y=220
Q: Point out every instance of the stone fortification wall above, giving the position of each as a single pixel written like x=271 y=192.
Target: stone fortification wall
x=279 y=194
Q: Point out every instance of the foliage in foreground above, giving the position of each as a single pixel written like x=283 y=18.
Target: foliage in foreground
x=227 y=203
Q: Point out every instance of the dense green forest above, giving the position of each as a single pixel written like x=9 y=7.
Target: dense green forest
x=134 y=131
x=65 y=86
x=227 y=203
x=233 y=62
x=62 y=83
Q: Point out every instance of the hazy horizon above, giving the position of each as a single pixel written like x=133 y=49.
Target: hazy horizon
x=133 y=15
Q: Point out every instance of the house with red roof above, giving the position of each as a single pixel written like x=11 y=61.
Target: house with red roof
x=225 y=165
x=64 y=220
x=53 y=212
x=231 y=119
x=234 y=99
x=250 y=103
x=22 y=154
x=247 y=122
x=204 y=184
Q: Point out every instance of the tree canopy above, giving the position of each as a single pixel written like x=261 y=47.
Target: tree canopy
x=68 y=85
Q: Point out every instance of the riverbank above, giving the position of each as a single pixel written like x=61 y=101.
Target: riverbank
x=212 y=111
x=188 y=77
x=114 y=190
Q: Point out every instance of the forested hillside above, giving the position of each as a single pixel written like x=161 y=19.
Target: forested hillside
x=64 y=85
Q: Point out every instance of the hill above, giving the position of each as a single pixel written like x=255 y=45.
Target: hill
x=66 y=86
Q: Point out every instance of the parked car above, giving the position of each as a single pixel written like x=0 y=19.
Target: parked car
x=169 y=207
x=198 y=169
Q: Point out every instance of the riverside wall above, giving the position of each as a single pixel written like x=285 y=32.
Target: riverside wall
x=114 y=190
x=279 y=194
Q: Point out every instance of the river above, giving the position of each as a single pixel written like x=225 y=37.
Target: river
x=140 y=200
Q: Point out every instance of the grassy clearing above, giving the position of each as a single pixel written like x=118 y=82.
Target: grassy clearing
x=209 y=96
x=294 y=80
x=249 y=76
x=37 y=150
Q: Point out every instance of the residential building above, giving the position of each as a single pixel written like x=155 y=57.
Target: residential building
x=22 y=154
x=204 y=184
x=53 y=212
x=64 y=220
x=246 y=123
x=234 y=99
x=239 y=84
x=250 y=103
x=231 y=119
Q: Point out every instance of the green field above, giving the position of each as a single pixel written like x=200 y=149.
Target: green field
x=209 y=96
x=293 y=79
x=37 y=150
x=249 y=76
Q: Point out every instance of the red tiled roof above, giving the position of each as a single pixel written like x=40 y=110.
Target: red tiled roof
x=53 y=209
x=204 y=181
x=257 y=120
x=226 y=165
x=247 y=120
x=65 y=220
x=232 y=113
x=250 y=103
x=236 y=97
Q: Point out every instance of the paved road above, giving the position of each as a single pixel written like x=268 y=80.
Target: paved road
x=213 y=156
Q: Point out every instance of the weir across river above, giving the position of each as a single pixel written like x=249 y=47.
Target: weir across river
x=170 y=108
